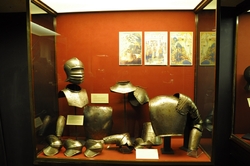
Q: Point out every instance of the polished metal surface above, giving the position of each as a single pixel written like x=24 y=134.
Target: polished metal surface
x=54 y=145
x=123 y=87
x=60 y=125
x=148 y=134
x=118 y=139
x=75 y=96
x=138 y=97
x=93 y=147
x=165 y=119
x=73 y=147
x=74 y=70
x=169 y=115
x=97 y=121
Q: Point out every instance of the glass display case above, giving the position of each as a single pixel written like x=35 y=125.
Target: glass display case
x=241 y=127
x=36 y=115
x=92 y=41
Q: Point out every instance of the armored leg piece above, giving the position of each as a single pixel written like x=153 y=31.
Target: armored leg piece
x=60 y=125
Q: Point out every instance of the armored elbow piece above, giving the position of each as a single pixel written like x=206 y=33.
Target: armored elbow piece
x=118 y=139
x=54 y=145
x=60 y=125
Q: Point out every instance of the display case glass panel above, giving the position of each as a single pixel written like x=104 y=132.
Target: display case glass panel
x=91 y=41
x=241 y=127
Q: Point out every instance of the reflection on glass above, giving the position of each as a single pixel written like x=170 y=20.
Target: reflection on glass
x=205 y=78
x=44 y=78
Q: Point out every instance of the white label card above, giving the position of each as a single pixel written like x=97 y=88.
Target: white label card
x=75 y=120
x=248 y=101
x=99 y=98
x=147 y=154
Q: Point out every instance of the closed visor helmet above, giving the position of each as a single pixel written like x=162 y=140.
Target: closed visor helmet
x=74 y=70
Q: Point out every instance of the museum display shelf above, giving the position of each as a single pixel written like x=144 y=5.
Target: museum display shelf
x=111 y=155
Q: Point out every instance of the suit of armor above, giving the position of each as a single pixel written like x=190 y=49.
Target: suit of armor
x=176 y=115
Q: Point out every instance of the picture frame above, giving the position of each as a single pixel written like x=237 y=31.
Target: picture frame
x=181 y=48
x=207 y=48
x=156 y=48
x=130 y=48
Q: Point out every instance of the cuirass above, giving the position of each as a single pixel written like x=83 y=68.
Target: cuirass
x=97 y=121
x=165 y=119
x=76 y=98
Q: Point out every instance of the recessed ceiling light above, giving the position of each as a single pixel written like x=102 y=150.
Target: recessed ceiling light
x=67 y=6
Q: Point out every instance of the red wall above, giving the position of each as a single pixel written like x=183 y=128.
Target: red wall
x=242 y=110
x=94 y=39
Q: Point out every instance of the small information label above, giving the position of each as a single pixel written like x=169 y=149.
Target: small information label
x=75 y=120
x=147 y=154
x=38 y=122
x=99 y=98
x=248 y=101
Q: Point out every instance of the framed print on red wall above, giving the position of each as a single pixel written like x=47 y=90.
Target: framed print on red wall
x=130 y=48
x=181 y=48
x=155 y=48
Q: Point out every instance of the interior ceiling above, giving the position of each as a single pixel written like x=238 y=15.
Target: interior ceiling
x=69 y=6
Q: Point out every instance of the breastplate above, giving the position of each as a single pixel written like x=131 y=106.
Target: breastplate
x=97 y=121
x=165 y=119
x=76 y=98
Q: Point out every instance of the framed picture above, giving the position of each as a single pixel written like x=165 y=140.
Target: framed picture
x=155 y=48
x=181 y=48
x=130 y=48
x=207 y=48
